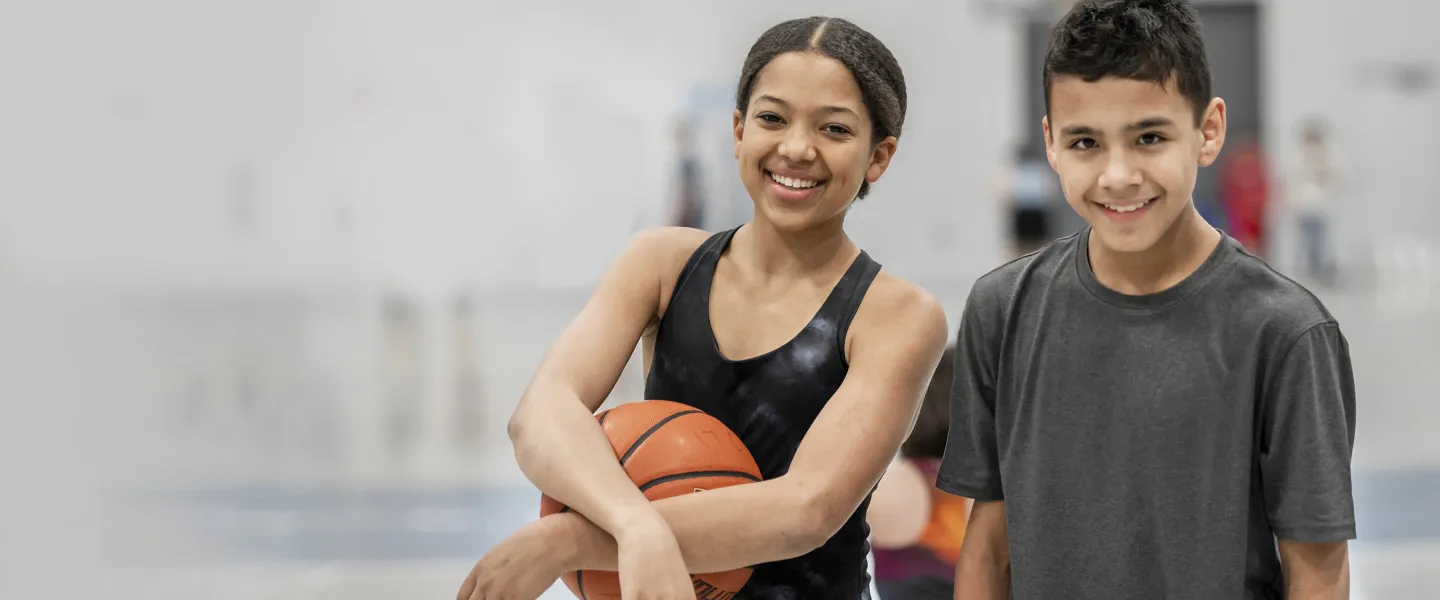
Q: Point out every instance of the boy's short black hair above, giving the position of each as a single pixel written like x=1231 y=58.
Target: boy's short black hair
x=1146 y=40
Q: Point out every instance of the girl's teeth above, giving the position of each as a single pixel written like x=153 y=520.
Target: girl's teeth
x=791 y=182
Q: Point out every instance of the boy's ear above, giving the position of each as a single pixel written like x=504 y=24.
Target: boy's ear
x=1212 y=132
x=1049 y=142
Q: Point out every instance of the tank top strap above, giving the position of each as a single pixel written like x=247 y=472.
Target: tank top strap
x=849 y=292
x=703 y=261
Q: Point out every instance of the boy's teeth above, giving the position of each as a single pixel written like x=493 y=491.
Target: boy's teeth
x=792 y=182
x=1125 y=209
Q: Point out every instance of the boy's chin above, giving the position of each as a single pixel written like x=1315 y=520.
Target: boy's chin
x=1127 y=240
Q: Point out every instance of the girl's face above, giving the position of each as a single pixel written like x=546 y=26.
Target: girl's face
x=804 y=146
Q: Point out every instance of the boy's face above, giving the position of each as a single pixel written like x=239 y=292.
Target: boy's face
x=1127 y=152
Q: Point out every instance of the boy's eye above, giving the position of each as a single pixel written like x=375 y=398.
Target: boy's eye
x=837 y=129
x=769 y=118
x=1083 y=144
x=1151 y=139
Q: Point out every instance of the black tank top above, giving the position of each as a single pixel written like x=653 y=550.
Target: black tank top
x=769 y=401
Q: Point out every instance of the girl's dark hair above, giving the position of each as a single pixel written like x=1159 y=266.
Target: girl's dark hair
x=932 y=426
x=882 y=84
x=1143 y=40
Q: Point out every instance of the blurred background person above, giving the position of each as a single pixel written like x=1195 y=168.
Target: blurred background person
x=916 y=529
x=1029 y=190
x=688 y=189
x=1245 y=194
x=1314 y=187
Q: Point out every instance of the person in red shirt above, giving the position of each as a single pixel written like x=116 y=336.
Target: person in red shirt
x=1245 y=195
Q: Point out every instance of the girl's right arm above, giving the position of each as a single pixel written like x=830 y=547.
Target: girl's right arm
x=557 y=442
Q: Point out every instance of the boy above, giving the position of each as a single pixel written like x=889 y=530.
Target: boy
x=1142 y=409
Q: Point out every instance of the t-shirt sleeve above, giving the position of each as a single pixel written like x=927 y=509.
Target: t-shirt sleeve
x=1307 y=436
x=971 y=465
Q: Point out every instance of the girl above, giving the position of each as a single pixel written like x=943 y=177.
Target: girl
x=782 y=328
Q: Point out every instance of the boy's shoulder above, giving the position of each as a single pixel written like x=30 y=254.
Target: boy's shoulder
x=997 y=289
x=1257 y=294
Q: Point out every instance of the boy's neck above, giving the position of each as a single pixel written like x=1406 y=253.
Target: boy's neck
x=1179 y=253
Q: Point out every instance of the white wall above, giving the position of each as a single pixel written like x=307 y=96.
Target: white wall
x=1322 y=59
x=430 y=142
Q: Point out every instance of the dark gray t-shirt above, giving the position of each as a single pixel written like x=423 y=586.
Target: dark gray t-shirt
x=1151 y=446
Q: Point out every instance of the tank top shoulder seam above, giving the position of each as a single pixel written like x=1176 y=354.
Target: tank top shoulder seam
x=697 y=259
x=858 y=288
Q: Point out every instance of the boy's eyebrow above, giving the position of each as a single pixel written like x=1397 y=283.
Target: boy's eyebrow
x=1146 y=123
x=1150 y=123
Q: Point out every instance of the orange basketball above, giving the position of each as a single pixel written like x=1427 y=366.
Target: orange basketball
x=668 y=449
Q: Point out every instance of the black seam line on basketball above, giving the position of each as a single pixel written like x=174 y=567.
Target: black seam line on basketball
x=580 y=583
x=602 y=417
x=696 y=474
x=653 y=428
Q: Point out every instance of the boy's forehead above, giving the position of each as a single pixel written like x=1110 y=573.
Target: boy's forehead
x=1113 y=101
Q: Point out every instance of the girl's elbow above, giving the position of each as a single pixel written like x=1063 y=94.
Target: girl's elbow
x=521 y=427
x=818 y=517
x=530 y=408
x=515 y=428
x=524 y=443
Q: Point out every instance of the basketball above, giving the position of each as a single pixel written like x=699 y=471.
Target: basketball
x=668 y=449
